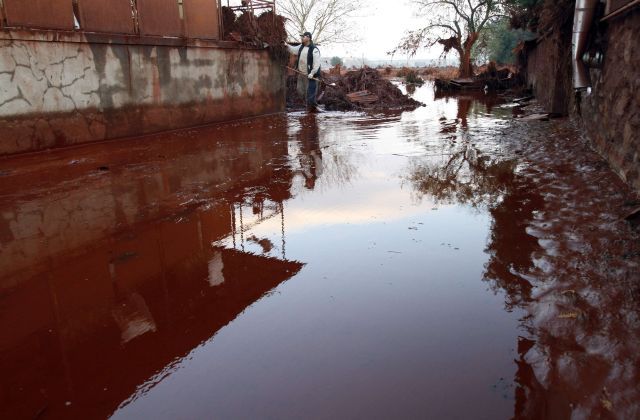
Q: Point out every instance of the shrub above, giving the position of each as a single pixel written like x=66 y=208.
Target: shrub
x=413 y=78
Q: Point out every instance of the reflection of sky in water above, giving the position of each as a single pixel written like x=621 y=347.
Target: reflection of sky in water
x=389 y=315
x=332 y=265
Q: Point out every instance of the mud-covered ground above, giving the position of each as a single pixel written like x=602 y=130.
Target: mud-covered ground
x=448 y=262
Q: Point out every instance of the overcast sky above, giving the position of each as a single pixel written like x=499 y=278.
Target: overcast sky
x=383 y=24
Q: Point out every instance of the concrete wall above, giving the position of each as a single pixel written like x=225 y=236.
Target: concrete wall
x=63 y=88
x=611 y=114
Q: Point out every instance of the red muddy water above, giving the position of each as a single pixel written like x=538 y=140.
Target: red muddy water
x=450 y=262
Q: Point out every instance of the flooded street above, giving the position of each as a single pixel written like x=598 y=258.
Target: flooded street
x=449 y=262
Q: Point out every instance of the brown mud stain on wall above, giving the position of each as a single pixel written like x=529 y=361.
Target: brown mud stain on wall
x=97 y=90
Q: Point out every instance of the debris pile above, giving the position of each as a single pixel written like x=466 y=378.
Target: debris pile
x=363 y=89
x=495 y=78
x=489 y=78
x=229 y=25
x=336 y=70
x=266 y=30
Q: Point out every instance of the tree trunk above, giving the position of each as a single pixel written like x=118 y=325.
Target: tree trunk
x=466 y=69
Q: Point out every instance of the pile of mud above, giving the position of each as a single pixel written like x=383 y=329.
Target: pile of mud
x=381 y=93
x=266 y=30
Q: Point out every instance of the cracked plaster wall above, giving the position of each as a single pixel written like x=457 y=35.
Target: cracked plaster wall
x=55 y=94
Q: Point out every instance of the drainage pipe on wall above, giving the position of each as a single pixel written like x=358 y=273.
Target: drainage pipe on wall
x=582 y=19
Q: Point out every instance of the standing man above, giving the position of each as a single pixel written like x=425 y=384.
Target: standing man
x=308 y=63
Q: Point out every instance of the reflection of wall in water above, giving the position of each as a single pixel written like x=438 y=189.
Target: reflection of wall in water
x=70 y=214
x=132 y=305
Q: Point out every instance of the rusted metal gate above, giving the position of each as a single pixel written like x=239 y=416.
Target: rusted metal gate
x=196 y=19
x=114 y=16
x=50 y=14
x=159 y=17
x=201 y=19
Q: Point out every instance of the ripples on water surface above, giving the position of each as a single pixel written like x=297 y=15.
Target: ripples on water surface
x=443 y=263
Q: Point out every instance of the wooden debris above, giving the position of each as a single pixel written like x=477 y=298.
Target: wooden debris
x=362 y=97
x=459 y=84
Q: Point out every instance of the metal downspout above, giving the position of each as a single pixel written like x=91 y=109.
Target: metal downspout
x=582 y=19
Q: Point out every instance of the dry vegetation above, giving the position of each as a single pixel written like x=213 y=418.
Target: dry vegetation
x=447 y=73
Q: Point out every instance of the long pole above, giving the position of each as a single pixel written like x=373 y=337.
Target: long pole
x=313 y=78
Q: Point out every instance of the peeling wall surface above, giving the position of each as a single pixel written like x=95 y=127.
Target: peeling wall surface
x=74 y=88
x=611 y=114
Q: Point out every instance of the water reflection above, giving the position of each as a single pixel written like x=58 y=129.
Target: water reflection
x=472 y=174
x=511 y=247
x=310 y=152
x=108 y=278
x=136 y=276
x=545 y=256
x=318 y=160
x=66 y=204
x=464 y=176
x=87 y=326
x=477 y=103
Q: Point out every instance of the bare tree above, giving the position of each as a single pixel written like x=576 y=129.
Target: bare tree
x=329 y=21
x=455 y=24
